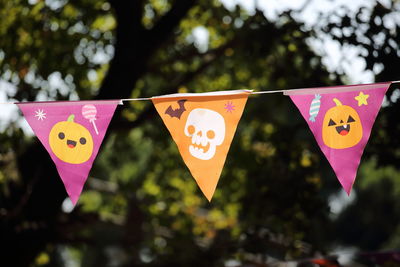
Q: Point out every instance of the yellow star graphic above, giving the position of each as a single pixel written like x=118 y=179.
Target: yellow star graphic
x=362 y=99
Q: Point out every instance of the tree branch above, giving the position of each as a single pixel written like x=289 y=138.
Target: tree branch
x=129 y=13
x=170 y=20
x=134 y=47
x=150 y=111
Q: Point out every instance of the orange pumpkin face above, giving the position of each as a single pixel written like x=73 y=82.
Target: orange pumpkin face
x=70 y=141
x=342 y=127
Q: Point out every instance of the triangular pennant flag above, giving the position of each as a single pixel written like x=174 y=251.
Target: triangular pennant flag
x=72 y=133
x=341 y=119
x=203 y=125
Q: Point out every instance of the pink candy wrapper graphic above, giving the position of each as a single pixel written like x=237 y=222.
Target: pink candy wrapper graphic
x=70 y=135
x=343 y=124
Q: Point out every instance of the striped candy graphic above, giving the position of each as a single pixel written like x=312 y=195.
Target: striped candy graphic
x=314 y=107
x=89 y=112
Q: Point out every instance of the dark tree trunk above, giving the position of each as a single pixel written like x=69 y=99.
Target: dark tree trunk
x=33 y=220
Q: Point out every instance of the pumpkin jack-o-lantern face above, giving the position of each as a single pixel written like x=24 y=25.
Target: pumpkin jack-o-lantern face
x=342 y=127
x=71 y=142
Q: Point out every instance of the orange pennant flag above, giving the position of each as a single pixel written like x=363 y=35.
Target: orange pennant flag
x=203 y=125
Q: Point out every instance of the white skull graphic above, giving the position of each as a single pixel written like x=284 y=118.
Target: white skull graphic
x=207 y=130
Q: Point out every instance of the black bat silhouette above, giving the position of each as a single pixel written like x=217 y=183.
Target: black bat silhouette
x=177 y=113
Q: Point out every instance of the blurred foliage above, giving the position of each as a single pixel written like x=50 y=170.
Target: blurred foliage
x=140 y=206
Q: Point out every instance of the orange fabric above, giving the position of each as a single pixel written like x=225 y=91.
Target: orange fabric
x=203 y=128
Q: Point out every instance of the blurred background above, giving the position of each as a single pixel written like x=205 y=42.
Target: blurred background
x=278 y=203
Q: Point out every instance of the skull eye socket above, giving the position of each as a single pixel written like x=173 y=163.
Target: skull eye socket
x=210 y=134
x=191 y=129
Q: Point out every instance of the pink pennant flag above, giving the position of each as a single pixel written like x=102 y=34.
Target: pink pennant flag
x=341 y=119
x=72 y=133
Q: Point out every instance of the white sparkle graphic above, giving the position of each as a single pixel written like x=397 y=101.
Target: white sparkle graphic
x=40 y=114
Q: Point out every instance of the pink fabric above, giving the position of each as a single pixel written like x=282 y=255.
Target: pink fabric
x=43 y=116
x=344 y=161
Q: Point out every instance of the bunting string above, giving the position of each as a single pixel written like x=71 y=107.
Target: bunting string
x=253 y=92
x=203 y=126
